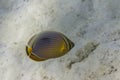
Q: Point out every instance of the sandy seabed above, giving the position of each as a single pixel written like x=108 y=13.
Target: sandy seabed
x=93 y=25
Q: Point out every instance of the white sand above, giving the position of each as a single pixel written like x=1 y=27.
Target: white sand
x=93 y=25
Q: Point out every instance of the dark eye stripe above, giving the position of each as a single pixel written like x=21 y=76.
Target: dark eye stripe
x=69 y=44
x=66 y=42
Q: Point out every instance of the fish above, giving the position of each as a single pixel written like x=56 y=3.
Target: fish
x=47 y=45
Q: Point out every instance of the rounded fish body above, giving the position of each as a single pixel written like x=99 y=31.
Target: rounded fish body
x=49 y=44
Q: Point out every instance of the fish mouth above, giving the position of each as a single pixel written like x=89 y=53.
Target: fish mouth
x=71 y=44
